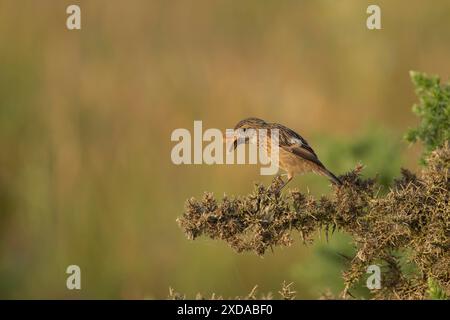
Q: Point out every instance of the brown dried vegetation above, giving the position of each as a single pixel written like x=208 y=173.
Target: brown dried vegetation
x=412 y=218
x=286 y=293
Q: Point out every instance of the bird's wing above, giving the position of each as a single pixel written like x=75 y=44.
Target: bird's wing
x=292 y=142
x=303 y=153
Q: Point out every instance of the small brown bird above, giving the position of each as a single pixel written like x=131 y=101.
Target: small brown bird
x=295 y=154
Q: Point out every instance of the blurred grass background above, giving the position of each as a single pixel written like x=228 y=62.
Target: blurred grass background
x=86 y=116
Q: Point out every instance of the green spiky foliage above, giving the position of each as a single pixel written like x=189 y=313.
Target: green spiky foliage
x=435 y=292
x=433 y=109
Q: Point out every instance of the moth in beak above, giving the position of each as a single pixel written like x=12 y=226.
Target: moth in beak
x=235 y=138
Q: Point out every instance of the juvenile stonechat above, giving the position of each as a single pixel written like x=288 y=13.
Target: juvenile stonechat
x=295 y=154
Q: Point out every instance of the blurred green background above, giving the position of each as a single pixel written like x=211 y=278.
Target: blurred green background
x=86 y=116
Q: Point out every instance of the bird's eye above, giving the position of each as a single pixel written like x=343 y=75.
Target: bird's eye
x=245 y=129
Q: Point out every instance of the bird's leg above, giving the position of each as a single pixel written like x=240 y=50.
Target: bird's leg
x=279 y=177
x=284 y=184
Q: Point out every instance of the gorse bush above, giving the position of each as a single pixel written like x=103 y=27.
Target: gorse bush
x=414 y=215
x=407 y=228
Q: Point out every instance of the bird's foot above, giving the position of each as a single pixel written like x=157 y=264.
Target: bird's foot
x=277 y=185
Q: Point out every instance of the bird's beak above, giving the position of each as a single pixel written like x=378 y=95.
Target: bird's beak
x=232 y=140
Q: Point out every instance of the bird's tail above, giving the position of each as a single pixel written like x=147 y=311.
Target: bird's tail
x=335 y=180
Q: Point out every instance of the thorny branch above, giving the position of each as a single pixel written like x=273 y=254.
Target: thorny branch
x=414 y=216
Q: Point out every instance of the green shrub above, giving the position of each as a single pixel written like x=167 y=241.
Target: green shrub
x=433 y=110
x=435 y=292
